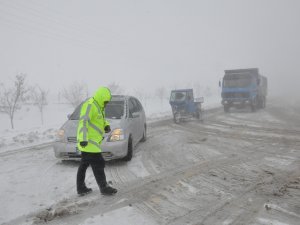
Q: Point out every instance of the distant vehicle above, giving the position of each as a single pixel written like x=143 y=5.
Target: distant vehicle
x=244 y=87
x=184 y=105
x=128 y=127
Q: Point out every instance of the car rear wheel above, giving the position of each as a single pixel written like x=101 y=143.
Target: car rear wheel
x=128 y=157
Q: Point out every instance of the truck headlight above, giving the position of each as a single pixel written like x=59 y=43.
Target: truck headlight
x=116 y=135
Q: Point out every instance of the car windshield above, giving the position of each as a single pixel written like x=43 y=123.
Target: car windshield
x=113 y=110
x=178 y=96
x=76 y=113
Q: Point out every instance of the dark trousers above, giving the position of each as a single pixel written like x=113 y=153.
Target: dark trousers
x=97 y=163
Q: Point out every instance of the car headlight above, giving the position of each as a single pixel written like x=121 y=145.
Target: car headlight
x=116 y=135
x=61 y=134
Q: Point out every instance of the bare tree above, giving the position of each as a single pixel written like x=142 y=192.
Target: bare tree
x=11 y=98
x=160 y=93
x=75 y=94
x=115 y=88
x=39 y=98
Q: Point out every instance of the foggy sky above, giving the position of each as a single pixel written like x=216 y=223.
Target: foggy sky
x=148 y=44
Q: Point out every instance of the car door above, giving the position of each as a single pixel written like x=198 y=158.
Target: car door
x=133 y=119
x=140 y=121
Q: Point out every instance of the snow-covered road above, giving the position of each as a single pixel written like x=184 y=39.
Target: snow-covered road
x=235 y=168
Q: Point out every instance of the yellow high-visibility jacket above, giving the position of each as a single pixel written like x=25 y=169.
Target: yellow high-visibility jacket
x=92 y=121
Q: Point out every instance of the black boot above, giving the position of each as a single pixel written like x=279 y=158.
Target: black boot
x=84 y=191
x=108 y=190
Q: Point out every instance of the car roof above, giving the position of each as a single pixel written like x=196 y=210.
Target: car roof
x=120 y=97
x=117 y=98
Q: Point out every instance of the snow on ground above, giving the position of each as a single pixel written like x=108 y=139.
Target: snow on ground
x=123 y=216
x=24 y=198
x=30 y=131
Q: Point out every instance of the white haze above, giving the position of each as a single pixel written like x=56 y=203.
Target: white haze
x=140 y=45
x=143 y=45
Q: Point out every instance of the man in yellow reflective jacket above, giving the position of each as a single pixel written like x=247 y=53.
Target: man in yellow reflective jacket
x=90 y=133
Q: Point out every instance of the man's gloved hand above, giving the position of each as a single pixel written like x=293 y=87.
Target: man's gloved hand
x=107 y=129
x=83 y=143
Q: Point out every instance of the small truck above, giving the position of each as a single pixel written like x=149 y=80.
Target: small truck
x=185 y=106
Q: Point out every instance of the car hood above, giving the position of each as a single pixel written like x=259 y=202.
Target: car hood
x=114 y=123
x=70 y=127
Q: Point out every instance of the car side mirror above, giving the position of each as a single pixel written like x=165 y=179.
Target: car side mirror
x=69 y=116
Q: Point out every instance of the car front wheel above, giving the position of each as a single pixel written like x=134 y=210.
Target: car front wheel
x=128 y=157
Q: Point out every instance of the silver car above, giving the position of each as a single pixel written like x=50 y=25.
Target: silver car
x=128 y=127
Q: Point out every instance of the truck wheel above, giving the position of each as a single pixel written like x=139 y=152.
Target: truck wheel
x=176 y=117
x=226 y=108
x=259 y=103
x=255 y=104
x=197 y=115
x=264 y=102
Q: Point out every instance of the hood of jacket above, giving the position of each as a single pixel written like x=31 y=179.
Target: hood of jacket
x=102 y=95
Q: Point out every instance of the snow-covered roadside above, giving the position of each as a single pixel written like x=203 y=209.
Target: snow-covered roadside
x=29 y=131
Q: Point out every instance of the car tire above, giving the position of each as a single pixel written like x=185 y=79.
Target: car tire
x=144 y=138
x=128 y=157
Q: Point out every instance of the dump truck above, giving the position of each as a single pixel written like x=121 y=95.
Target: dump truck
x=243 y=88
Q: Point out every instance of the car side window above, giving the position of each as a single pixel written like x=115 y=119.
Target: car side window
x=138 y=105
x=135 y=105
x=131 y=107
